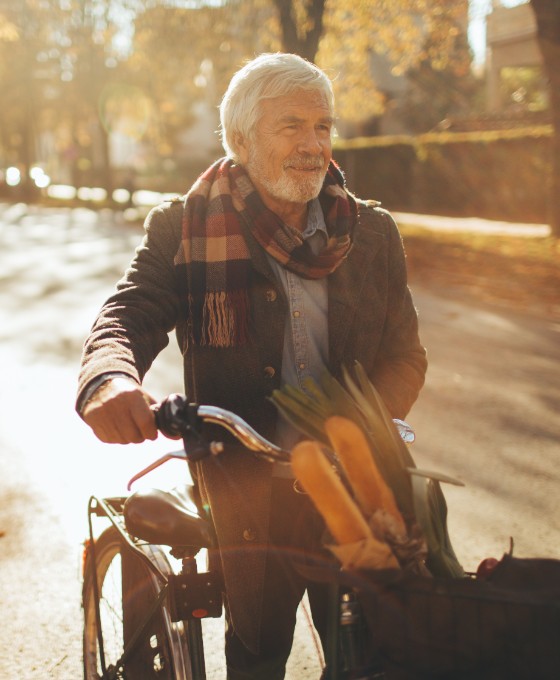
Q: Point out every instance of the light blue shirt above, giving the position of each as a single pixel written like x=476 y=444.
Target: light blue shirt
x=306 y=344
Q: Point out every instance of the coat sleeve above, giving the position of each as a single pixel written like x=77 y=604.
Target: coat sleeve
x=133 y=324
x=401 y=363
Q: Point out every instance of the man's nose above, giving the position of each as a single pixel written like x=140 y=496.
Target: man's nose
x=310 y=143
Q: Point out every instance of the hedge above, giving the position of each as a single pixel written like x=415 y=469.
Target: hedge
x=499 y=174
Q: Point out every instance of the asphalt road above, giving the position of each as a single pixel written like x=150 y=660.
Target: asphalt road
x=488 y=415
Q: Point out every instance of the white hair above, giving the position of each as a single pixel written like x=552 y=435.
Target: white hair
x=266 y=77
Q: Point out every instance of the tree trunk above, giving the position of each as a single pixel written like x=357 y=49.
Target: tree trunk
x=547 y=14
x=296 y=40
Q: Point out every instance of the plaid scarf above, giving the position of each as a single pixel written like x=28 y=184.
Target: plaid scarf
x=216 y=257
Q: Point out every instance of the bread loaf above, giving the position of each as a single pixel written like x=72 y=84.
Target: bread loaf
x=332 y=500
x=370 y=489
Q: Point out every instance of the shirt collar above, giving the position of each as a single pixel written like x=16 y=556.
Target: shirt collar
x=315 y=220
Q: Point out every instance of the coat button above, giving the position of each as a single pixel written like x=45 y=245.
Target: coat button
x=269 y=372
x=249 y=535
x=271 y=295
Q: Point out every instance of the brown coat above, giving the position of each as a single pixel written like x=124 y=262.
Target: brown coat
x=371 y=319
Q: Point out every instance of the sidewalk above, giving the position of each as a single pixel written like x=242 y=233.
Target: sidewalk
x=472 y=225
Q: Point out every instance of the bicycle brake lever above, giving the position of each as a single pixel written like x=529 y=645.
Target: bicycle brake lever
x=179 y=455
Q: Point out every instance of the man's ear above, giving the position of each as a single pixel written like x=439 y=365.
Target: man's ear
x=241 y=147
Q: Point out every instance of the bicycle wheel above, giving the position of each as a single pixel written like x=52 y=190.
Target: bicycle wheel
x=127 y=590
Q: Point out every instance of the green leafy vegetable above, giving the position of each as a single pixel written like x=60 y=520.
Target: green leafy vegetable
x=417 y=492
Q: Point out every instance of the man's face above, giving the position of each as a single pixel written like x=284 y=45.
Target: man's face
x=288 y=155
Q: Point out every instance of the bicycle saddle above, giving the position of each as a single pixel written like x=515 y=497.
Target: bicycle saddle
x=167 y=518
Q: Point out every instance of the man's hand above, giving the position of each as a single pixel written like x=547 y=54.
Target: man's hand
x=119 y=413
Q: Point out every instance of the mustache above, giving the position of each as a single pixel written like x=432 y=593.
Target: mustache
x=306 y=162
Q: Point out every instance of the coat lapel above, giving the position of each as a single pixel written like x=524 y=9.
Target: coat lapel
x=345 y=291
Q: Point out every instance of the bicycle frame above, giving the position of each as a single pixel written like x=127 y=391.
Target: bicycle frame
x=176 y=416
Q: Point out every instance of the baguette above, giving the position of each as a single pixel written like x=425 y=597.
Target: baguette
x=370 y=489
x=332 y=500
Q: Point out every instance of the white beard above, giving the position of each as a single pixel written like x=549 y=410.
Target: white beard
x=300 y=189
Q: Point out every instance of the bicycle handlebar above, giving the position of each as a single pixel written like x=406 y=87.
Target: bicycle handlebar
x=175 y=415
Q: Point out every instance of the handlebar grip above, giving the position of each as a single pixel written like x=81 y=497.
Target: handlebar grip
x=174 y=415
x=177 y=416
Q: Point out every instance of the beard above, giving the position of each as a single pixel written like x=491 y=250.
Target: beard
x=301 y=188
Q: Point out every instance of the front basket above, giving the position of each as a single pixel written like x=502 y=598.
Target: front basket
x=505 y=627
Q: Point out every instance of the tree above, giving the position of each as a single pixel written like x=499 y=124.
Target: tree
x=56 y=59
x=81 y=67
x=301 y=24
x=547 y=14
x=438 y=91
x=92 y=61
x=25 y=66
x=194 y=63
x=342 y=35
x=185 y=75
x=339 y=35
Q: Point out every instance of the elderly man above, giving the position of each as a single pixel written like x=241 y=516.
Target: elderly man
x=270 y=271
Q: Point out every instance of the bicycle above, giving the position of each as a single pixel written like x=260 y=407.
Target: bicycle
x=142 y=615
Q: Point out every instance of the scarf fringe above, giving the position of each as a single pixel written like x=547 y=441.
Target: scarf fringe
x=225 y=319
